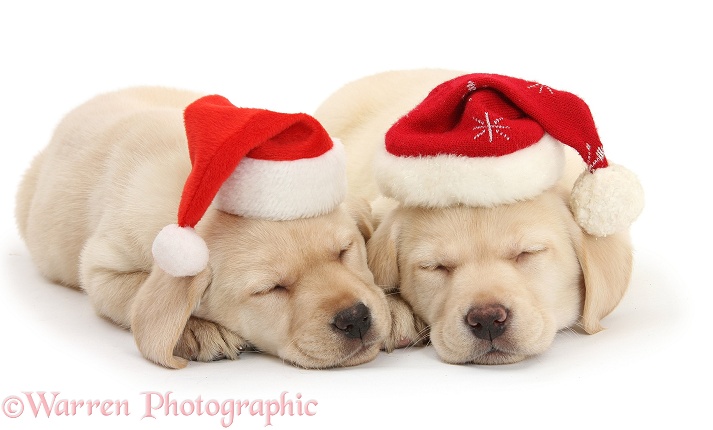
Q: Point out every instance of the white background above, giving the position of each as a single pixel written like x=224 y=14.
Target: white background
x=643 y=69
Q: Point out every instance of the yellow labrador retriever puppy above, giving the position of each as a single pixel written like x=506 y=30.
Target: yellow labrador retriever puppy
x=490 y=283
x=92 y=203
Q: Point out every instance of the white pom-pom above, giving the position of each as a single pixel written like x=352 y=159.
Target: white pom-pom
x=180 y=251
x=606 y=201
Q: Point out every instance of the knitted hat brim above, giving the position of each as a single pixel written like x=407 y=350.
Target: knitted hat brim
x=448 y=180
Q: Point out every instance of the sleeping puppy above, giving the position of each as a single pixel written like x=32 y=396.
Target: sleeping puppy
x=92 y=203
x=491 y=284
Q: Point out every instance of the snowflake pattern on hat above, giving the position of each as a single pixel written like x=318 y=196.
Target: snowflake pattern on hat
x=490 y=127
x=540 y=87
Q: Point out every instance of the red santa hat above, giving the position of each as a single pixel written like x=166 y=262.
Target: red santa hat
x=249 y=162
x=485 y=140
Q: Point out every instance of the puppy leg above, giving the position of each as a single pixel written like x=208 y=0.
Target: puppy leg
x=204 y=340
x=112 y=292
x=406 y=328
x=160 y=303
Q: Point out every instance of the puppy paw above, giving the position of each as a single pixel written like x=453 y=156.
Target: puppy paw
x=204 y=340
x=406 y=328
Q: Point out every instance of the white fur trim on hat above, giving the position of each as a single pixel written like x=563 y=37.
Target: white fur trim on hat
x=285 y=190
x=446 y=180
x=606 y=201
x=180 y=251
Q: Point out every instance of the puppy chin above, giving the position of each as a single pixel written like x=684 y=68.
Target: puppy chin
x=498 y=357
x=490 y=357
x=460 y=347
x=364 y=355
x=359 y=354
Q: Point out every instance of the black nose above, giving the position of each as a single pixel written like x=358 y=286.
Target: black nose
x=354 y=322
x=487 y=322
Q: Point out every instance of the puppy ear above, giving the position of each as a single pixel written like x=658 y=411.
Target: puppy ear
x=160 y=311
x=606 y=265
x=382 y=252
x=360 y=210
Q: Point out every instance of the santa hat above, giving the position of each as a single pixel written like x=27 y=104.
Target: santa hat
x=485 y=140
x=249 y=162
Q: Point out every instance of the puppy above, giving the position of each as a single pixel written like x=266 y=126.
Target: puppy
x=493 y=285
x=92 y=203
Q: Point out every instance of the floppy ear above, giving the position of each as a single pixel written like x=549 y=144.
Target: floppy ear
x=606 y=265
x=382 y=253
x=360 y=210
x=160 y=311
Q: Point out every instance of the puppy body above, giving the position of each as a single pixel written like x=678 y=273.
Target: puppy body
x=93 y=201
x=494 y=285
x=362 y=111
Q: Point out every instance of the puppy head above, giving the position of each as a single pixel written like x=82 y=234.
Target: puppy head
x=496 y=284
x=300 y=290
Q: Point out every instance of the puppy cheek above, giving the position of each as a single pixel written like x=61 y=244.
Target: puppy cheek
x=310 y=340
x=561 y=291
x=426 y=293
x=268 y=323
x=569 y=308
x=533 y=328
x=452 y=342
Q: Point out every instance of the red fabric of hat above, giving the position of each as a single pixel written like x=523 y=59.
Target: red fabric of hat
x=488 y=115
x=221 y=135
x=249 y=162
x=487 y=139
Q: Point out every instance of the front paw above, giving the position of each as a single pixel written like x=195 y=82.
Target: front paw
x=203 y=340
x=406 y=328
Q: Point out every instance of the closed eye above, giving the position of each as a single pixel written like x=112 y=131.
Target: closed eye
x=273 y=289
x=437 y=267
x=528 y=253
x=343 y=252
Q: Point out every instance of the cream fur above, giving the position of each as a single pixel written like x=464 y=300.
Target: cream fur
x=529 y=258
x=93 y=201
